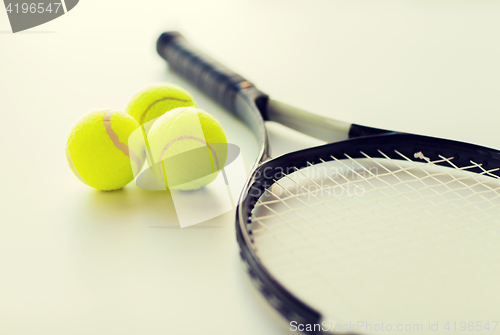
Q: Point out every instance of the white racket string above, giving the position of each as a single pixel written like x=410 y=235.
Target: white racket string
x=420 y=223
x=392 y=186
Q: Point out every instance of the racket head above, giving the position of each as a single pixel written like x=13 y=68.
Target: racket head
x=457 y=170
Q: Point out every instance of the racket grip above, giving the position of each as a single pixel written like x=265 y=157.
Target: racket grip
x=210 y=76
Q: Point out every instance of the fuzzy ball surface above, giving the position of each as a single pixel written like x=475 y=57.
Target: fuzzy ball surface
x=188 y=147
x=156 y=100
x=99 y=152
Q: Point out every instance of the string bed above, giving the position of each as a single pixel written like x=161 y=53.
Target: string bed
x=385 y=240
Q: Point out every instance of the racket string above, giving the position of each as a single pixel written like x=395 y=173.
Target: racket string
x=454 y=179
x=471 y=176
x=317 y=241
x=454 y=190
x=416 y=179
x=379 y=189
x=302 y=217
x=293 y=251
x=393 y=185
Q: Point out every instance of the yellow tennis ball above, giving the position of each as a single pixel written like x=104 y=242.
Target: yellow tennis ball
x=156 y=100
x=99 y=152
x=188 y=147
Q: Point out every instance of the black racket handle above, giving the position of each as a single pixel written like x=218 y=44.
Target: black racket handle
x=210 y=76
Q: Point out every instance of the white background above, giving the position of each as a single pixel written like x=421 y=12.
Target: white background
x=77 y=261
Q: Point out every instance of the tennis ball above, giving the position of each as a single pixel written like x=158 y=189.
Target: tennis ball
x=99 y=152
x=188 y=147
x=156 y=100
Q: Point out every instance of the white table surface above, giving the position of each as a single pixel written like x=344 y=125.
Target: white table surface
x=78 y=261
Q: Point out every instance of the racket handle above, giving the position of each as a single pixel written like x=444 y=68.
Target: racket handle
x=210 y=76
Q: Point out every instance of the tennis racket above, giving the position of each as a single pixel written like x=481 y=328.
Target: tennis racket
x=376 y=232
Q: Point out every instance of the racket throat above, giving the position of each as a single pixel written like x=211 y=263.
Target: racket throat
x=317 y=126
